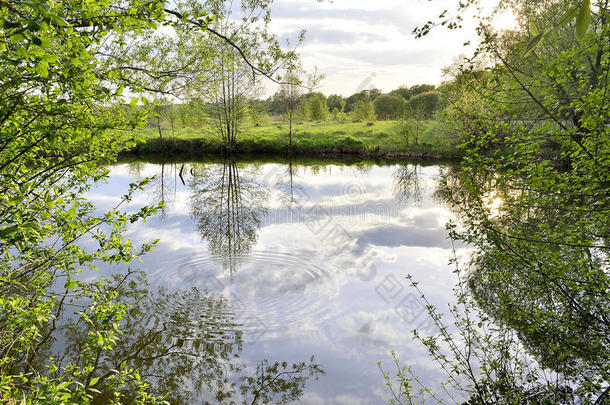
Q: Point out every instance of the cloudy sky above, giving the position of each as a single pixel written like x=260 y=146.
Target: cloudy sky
x=361 y=44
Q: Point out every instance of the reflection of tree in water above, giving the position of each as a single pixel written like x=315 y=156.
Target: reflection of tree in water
x=228 y=208
x=526 y=276
x=292 y=194
x=187 y=344
x=282 y=180
x=164 y=184
x=407 y=184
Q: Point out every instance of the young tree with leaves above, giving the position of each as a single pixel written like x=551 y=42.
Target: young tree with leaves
x=63 y=69
x=289 y=96
x=539 y=277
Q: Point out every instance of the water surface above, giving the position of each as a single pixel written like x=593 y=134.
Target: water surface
x=278 y=262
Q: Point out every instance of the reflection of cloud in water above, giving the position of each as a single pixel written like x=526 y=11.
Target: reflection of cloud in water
x=309 y=290
x=280 y=289
x=395 y=236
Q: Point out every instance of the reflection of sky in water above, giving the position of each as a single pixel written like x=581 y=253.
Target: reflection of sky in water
x=325 y=274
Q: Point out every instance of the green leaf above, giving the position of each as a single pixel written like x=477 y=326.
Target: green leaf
x=568 y=16
x=36 y=41
x=10 y=24
x=42 y=68
x=50 y=58
x=583 y=19
x=17 y=37
x=33 y=26
x=534 y=42
x=4 y=233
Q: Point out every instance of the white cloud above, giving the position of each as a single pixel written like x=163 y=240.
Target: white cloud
x=351 y=41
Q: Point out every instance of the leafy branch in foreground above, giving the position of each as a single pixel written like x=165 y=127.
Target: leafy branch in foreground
x=532 y=199
x=578 y=11
x=483 y=359
x=64 y=67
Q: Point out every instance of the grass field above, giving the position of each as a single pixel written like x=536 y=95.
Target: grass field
x=379 y=138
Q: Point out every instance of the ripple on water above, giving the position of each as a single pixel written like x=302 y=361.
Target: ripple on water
x=269 y=292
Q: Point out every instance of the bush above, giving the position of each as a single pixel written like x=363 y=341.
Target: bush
x=388 y=107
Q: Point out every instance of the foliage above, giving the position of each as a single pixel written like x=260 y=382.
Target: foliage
x=63 y=69
x=301 y=112
x=534 y=326
x=364 y=111
x=317 y=107
x=279 y=378
x=289 y=97
x=336 y=102
x=423 y=105
x=338 y=115
x=418 y=109
x=230 y=100
x=410 y=129
x=54 y=133
x=228 y=208
x=408 y=92
x=484 y=362
x=366 y=95
x=388 y=107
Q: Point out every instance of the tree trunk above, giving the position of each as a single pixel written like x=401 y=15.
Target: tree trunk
x=159 y=127
x=290 y=131
x=171 y=120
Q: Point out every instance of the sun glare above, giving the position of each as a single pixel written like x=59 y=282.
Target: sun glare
x=494 y=204
x=505 y=21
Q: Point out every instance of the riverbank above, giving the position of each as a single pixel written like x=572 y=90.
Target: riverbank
x=381 y=139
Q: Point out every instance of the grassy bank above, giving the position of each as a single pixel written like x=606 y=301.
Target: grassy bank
x=375 y=139
x=299 y=160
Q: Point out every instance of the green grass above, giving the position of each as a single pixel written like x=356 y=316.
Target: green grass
x=379 y=138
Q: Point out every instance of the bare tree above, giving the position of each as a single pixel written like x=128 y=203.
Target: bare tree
x=235 y=87
x=289 y=95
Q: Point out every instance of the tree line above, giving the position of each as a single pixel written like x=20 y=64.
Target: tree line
x=366 y=105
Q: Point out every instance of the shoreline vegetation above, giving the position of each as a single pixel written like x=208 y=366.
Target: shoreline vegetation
x=374 y=139
x=263 y=158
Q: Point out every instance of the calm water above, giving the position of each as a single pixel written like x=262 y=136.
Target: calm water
x=278 y=262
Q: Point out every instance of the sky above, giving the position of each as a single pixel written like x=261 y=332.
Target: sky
x=359 y=44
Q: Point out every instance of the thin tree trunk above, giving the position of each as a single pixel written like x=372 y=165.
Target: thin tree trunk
x=290 y=131
x=159 y=126
x=171 y=120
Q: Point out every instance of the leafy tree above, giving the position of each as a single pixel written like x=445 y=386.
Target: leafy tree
x=318 y=109
x=388 y=107
x=258 y=111
x=163 y=332
x=536 y=212
x=423 y=105
x=228 y=208
x=338 y=115
x=417 y=110
x=408 y=184
x=364 y=111
x=63 y=69
x=301 y=111
x=336 y=101
x=289 y=96
x=192 y=113
x=230 y=100
x=408 y=92
x=368 y=94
